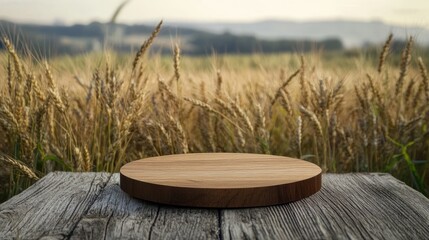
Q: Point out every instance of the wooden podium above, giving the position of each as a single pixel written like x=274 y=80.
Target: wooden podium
x=220 y=180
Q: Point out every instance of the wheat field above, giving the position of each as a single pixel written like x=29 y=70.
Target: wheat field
x=100 y=111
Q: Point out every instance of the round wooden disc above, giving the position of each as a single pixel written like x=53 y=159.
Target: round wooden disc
x=220 y=180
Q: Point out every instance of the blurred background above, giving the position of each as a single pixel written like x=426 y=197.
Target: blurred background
x=202 y=27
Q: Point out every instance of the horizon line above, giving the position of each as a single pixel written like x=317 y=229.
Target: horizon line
x=60 y=22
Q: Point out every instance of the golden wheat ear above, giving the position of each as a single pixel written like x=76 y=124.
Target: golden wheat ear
x=146 y=45
x=384 y=53
x=23 y=168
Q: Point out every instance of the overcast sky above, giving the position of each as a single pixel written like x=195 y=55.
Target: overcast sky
x=402 y=12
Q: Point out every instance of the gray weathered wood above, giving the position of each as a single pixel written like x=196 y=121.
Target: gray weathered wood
x=186 y=223
x=52 y=207
x=115 y=215
x=349 y=206
x=92 y=206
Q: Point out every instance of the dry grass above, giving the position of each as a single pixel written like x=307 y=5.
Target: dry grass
x=357 y=119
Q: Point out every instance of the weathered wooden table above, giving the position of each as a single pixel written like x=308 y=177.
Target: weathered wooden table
x=92 y=206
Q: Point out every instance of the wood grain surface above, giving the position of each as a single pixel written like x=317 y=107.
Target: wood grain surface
x=349 y=206
x=92 y=206
x=116 y=215
x=220 y=180
x=52 y=207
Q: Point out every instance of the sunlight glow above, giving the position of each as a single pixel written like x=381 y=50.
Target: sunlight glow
x=399 y=12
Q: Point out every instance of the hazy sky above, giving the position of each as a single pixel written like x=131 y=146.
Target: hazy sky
x=403 y=12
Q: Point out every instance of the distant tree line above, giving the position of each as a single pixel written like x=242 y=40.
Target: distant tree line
x=46 y=40
x=229 y=43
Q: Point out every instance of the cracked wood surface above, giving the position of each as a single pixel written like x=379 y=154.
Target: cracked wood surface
x=116 y=215
x=349 y=206
x=52 y=207
x=92 y=206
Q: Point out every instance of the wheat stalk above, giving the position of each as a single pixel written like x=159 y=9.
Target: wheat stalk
x=79 y=163
x=384 y=53
x=260 y=128
x=286 y=101
x=374 y=89
x=205 y=127
x=201 y=104
x=349 y=145
x=87 y=160
x=313 y=119
x=219 y=83
x=241 y=138
x=134 y=112
x=323 y=95
x=409 y=90
x=176 y=62
x=209 y=108
x=53 y=92
x=182 y=136
x=9 y=75
x=425 y=79
x=405 y=62
x=8 y=118
x=285 y=83
x=417 y=99
x=36 y=88
x=49 y=76
x=260 y=120
x=64 y=96
x=149 y=138
x=146 y=45
x=16 y=61
x=51 y=120
x=166 y=135
x=40 y=113
x=302 y=82
x=58 y=103
x=19 y=165
x=227 y=108
x=333 y=126
x=165 y=88
x=97 y=83
x=242 y=115
x=360 y=98
x=299 y=136
x=203 y=92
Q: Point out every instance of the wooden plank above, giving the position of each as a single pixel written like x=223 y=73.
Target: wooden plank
x=82 y=206
x=52 y=207
x=356 y=206
x=186 y=223
x=116 y=215
x=221 y=180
